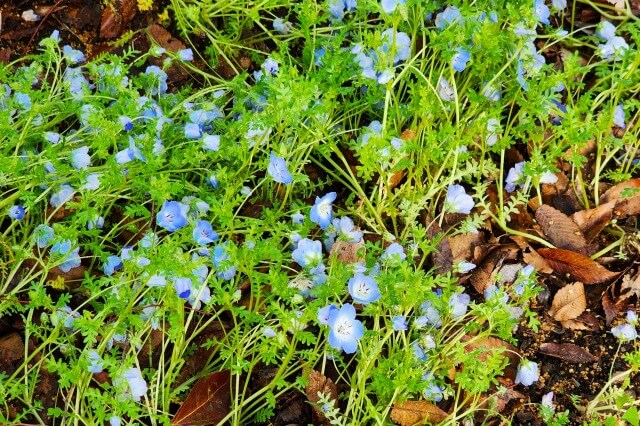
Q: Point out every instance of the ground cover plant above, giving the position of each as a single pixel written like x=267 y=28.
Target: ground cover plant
x=320 y=212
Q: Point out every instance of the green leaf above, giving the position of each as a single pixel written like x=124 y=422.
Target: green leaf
x=632 y=416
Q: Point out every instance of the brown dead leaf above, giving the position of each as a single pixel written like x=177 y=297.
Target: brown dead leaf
x=592 y=221
x=560 y=229
x=488 y=346
x=568 y=352
x=208 y=402
x=115 y=16
x=587 y=321
x=609 y=306
x=629 y=287
x=319 y=383
x=615 y=192
x=463 y=245
x=11 y=348
x=627 y=207
x=409 y=413
x=482 y=276
x=442 y=258
x=578 y=266
x=348 y=252
x=569 y=302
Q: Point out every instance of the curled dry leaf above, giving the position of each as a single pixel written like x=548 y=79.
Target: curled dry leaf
x=578 y=266
x=569 y=302
x=115 y=16
x=348 y=252
x=319 y=383
x=484 y=274
x=11 y=349
x=567 y=352
x=442 y=258
x=409 y=413
x=463 y=245
x=560 y=229
x=490 y=345
x=208 y=402
x=609 y=306
x=593 y=221
x=587 y=321
x=615 y=192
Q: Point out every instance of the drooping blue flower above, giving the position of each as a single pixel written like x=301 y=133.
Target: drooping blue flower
x=448 y=16
x=619 y=117
x=625 y=332
x=559 y=4
x=192 y=131
x=614 y=48
x=80 y=158
x=515 y=177
x=137 y=386
x=397 y=42
x=308 y=253
x=324 y=313
x=458 y=201
x=346 y=230
x=159 y=80
x=64 y=194
x=129 y=154
x=464 y=267
x=278 y=170
x=491 y=93
x=113 y=263
x=171 y=216
x=322 y=211
x=541 y=11
x=157 y=280
x=211 y=142
x=43 y=235
x=390 y=5
x=363 y=289
x=338 y=8
x=95 y=362
x=92 y=183
x=345 y=330
x=70 y=257
x=23 y=101
x=527 y=373
x=445 y=91
x=458 y=303
x=432 y=391
x=460 y=59
x=281 y=26
x=97 y=222
x=605 y=31
x=213 y=181
x=72 y=56
x=203 y=233
x=126 y=123
x=185 y=55
x=297 y=218
x=16 y=212
x=221 y=257
x=632 y=317
x=183 y=287
x=399 y=323
x=52 y=137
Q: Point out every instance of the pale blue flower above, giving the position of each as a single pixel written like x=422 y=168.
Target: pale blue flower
x=70 y=257
x=129 y=154
x=297 y=218
x=445 y=91
x=183 y=287
x=113 y=263
x=269 y=332
x=337 y=8
x=346 y=230
x=65 y=315
x=458 y=201
x=23 y=101
x=114 y=421
x=136 y=383
x=625 y=332
x=390 y=5
x=345 y=330
x=159 y=79
x=322 y=211
x=126 y=123
x=606 y=31
x=448 y=16
x=308 y=253
x=398 y=42
x=460 y=59
x=278 y=170
x=72 y=56
x=491 y=93
x=515 y=177
x=432 y=391
x=80 y=158
x=185 y=55
x=52 y=137
x=619 y=117
x=92 y=183
x=211 y=142
x=632 y=317
x=192 y=131
x=616 y=47
x=16 y=212
x=213 y=181
x=464 y=267
x=394 y=253
x=399 y=323
x=221 y=258
x=43 y=235
x=541 y=11
x=97 y=222
x=64 y=194
x=559 y=4
x=203 y=233
x=171 y=216
x=95 y=362
x=157 y=280
x=363 y=289
x=281 y=26
x=527 y=373
x=324 y=313
x=458 y=303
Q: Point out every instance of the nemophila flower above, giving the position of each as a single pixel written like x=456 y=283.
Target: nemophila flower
x=64 y=194
x=114 y=421
x=195 y=206
x=548 y=178
x=397 y=42
x=399 y=323
x=269 y=67
x=80 y=158
x=323 y=313
x=448 y=16
x=322 y=211
x=185 y=55
x=338 y=8
x=458 y=304
x=559 y=4
x=345 y=329
x=43 y=235
x=278 y=170
x=137 y=386
x=541 y=11
x=297 y=218
x=64 y=315
x=129 y=154
x=432 y=392
x=76 y=82
x=192 y=131
x=393 y=253
x=269 y=332
x=515 y=177
x=493 y=129
x=547 y=401
x=70 y=257
x=16 y=212
x=22 y=101
x=30 y=16
x=97 y=222
x=95 y=362
x=493 y=292
x=71 y=55
x=527 y=373
x=605 y=31
x=614 y=45
x=203 y=233
x=199 y=295
x=318 y=55
x=221 y=257
x=113 y=263
x=491 y=93
x=213 y=181
x=619 y=117
x=183 y=287
x=204 y=117
x=464 y=267
x=632 y=317
x=159 y=80
x=211 y=142
x=281 y=26
x=347 y=230
x=625 y=332
x=126 y=123
x=363 y=289
x=445 y=91
x=52 y=137
x=157 y=280
x=308 y=253
x=92 y=183
x=172 y=216
x=460 y=59
x=457 y=200
x=390 y=5
x=418 y=351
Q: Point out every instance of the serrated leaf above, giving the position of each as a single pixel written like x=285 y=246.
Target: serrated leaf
x=560 y=229
x=208 y=402
x=578 y=266
x=319 y=383
x=567 y=352
x=569 y=302
x=409 y=413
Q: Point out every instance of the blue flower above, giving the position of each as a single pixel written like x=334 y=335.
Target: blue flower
x=281 y=26
x=16 y=212
x=432 y=391
x=92 y=183
x=130 y=154
x=515 y=177
x=136 y=383
x=390 y=5
x=337 y=8
x=615 y=48
x=23 y=101
x=398 y=42
x=220 y=257
x=491 y=93
x=80 y=158
x=393 y=253
x=183 y=287
x=363 y=289
x=97 y=222
x=322 y=211
x=278 y=170
x=448 y=16
x=458 y=201
x=527 y=373
x=559 y=4
x=72 y=55
x=541 y=11
x=399 y=323
x=625 y=332
x=211 y=142
x=460 y=59
x=345 y=329
x=445 y=91
x=185 y=55
x=308 y=253
x=619 y=117
x=213 y=181
x=126 y=123
x=324 y=313
x=52 y=137
x=70 y=258
x=95 y=362
x=171 y=216
x=458 y=304
x=605 y=31
x=346 y=230
x=112 y=264
x=43 y=235
x=203 y=233
x=159 y=80
x=632 y=317
x=192 y=131
x=64 y=194
x=297 y=218
x=464 y=267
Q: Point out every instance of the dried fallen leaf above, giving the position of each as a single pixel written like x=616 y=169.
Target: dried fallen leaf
x=627 y=207
x=615 y=192
x=348 y=252
x=609 y=306
x=409 y=413
x=569 y=302
x=208 y=402
x=567 y=352
x=629 y=287
x=115 y=16
x=484 y=274
x=319 y=383
x=592 y=221
x=560 y=229
x=463 y=245
x=11 y=348
x=578 y=266
x=587 y=321
x=488 y=346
